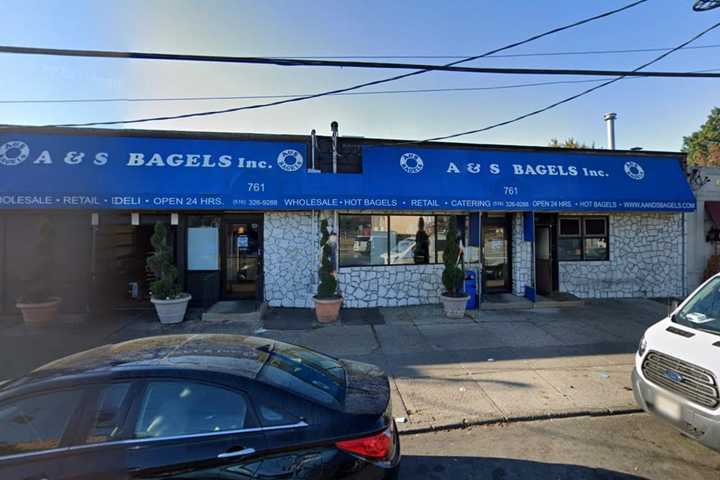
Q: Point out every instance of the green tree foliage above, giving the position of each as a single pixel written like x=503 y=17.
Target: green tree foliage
x=452 y=276
x=328 y=283
x=165 y=286
x=567 y=143
x=703 y=146
x=39 y=284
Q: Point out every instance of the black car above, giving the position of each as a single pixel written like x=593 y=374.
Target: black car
x=198 y=407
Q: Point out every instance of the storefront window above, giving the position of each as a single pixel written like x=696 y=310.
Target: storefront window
x=363 y=240
x=583 y=238
x=391 y=239
x=410 y=239
x=441 y=236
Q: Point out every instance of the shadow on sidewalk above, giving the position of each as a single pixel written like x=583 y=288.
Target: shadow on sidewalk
x=436 y=467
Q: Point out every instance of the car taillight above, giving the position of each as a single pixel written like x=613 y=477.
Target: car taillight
x=375 y=447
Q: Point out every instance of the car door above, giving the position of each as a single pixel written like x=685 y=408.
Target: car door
x=191 y=429
x=33 y=432
x=97 y=447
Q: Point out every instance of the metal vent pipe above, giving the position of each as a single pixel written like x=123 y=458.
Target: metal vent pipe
x=610 y=123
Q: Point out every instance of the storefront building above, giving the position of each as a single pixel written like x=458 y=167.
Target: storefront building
x=245 y=213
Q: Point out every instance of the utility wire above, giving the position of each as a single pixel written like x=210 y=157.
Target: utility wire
x=571 y=98
x=358 y=86
x=295 y=62
x=264 y=97
x=504 y=55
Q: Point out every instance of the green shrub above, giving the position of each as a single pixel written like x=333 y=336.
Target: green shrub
x=165 y=286
x=452 y=276
x=328 y=283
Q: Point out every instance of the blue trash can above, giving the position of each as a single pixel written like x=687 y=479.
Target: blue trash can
x=471 y=289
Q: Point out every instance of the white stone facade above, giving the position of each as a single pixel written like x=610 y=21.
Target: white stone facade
x=291 y=258
x=522 y=261
x=646 y=260
x=391 y=286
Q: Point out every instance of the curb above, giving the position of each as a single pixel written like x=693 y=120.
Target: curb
x=520 y=418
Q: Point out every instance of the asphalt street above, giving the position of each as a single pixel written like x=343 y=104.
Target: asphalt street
x=612 y=447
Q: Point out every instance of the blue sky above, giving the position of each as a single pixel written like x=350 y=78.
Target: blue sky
x=653 y=113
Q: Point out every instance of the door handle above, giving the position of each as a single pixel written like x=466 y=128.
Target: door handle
x=237 y=453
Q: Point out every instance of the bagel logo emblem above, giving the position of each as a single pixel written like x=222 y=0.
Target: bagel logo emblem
x=14 y=153
x=634 y=171
x=411 y=163
x=290 y=160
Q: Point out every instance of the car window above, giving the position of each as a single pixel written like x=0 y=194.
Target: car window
x=184 y=408
x=36 y=423
x=109 y=413
x=273 y=416
x=304 y=372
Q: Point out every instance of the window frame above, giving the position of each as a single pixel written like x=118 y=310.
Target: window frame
x=72 y=429
x=435 y=216
x=583 y=235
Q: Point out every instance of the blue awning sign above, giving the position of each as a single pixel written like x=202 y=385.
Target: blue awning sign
x=61 y=170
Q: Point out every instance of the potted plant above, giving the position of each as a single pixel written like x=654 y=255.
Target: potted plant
x=38 y=306
x=327 y=300
x=454 y=299
x=170 y=303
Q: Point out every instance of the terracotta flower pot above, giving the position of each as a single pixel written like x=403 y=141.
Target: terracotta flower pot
x=454 y=307
x=327 y=309
x=171 y=311
x=40 y=314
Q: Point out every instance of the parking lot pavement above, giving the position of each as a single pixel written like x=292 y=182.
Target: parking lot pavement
x=499 y=365
x=627 y=447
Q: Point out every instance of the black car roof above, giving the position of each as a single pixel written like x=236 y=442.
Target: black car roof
x=234 y=354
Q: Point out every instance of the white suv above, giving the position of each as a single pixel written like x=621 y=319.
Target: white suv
x=677 y=366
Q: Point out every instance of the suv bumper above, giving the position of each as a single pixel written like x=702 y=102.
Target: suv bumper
x=693 y=422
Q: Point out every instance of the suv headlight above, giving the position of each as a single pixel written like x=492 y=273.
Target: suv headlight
x=642 y=346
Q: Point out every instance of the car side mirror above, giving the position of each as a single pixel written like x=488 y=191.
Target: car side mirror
x=674 y=305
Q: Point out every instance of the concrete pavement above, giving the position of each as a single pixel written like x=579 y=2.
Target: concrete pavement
x=625 y=447
x=501 y=365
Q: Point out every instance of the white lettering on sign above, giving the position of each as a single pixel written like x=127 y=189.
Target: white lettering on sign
x=452 y=168
x=543 y=170
x=44 y=158
x=189 y=160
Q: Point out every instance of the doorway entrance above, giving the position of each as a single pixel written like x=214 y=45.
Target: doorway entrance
x=546 y=267
x=496 y=253
x=242 y=241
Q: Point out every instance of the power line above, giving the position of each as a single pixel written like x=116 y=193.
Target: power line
x=294 y=62
x=573 y=97
x=358 y=86
x=264 y=97
x=505 y=55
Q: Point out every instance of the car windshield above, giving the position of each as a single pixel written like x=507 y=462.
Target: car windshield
x=702 y=312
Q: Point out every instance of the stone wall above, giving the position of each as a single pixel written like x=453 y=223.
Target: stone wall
x=522 y=261
x=646 y=260
x=391 y=286
x=291 y=258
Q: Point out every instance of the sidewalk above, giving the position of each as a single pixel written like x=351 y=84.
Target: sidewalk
x=503 y=365
x=507 y=364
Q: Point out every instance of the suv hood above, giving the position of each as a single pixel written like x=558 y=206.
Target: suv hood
x=694 y=346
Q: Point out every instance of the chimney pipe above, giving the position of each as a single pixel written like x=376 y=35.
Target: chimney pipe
x=610 y=122
x=313 y=147
x=334 y=129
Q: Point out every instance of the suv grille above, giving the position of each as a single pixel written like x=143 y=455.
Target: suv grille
x=690 y=381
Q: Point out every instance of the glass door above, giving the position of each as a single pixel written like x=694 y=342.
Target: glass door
x=242 y=262
x=496 y=254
